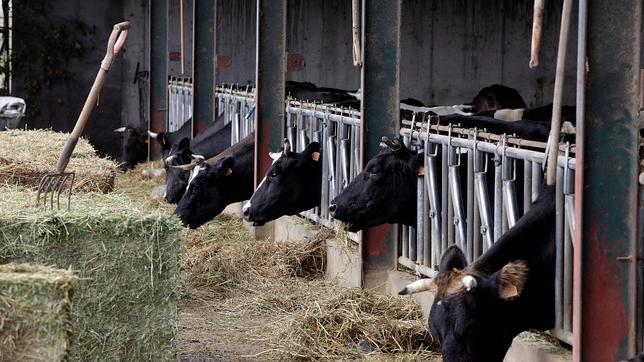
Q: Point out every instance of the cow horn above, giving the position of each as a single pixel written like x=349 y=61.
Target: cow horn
x=197 y=159
x=120 y=130
x=186 y=167
x=287 y=147
x=469 y=282
x=152 y=134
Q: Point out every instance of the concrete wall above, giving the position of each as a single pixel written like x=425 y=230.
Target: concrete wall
x=61 y=102
x=449 y=49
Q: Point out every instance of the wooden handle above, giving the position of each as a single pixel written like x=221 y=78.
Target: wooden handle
x=537 y=28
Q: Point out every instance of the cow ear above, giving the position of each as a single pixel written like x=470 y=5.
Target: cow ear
x=227 y=166
x=511 y=279
x=313 y=150
x=417 y=163
x=453 y=258
x=184 y=143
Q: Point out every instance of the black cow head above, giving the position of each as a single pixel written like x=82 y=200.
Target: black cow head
x=292 y=184
x=134 y=147
x=206 y=195
x=468 y=316
x=177 y=170
x=384 y=192
x=497 y=96
x=164 y=143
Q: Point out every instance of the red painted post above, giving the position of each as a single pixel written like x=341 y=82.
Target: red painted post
x=605 y=248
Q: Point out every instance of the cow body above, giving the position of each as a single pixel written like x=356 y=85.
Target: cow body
x=497 y=96
x=218 y=182
x=292 y=184
x=480 y=308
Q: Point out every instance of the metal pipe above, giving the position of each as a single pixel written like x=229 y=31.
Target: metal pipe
x=555 y=128
x=559 y=240
x=537 y=27
x=457 y=204
x=498 y=198
x=480 y=187
x=355 y=31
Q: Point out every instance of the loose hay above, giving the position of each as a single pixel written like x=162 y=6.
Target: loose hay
x=302 y=316
x=35 y=320
x=25 y=156
x=127 y=259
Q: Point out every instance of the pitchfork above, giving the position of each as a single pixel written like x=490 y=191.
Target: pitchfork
x=53 y=184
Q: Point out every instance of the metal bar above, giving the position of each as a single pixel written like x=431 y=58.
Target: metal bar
x=444 y=201
x=457 y=204
x=431 y=180
x=606 y=266
x=158 y=70
x=527 y=185
x=420 y=220
x=559 y=240
x=469 y=252
x=498 y=198
x=380 y=107
x=270 y=81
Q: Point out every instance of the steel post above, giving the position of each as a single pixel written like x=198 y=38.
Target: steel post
x=158 y=70
x=605 y=315
x=380 y=110
x=270 y=81
x=203 y=64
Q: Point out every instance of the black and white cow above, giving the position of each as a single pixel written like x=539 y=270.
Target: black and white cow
x=218 y=182
x=384 y=192
x=497 y=96
x=529 y=130
x=479 y=308
x=292 y=184
x=134 y=146
x=212 y=141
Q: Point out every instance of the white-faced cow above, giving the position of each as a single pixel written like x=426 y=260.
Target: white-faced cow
x=479 y=308
x=292 y=184
x=218 y=182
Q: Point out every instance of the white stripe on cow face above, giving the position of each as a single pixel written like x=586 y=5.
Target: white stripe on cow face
x=274 y=156
x=194 y=174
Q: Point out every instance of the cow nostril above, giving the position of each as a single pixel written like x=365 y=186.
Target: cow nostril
x=246 y=211
x=332 y=208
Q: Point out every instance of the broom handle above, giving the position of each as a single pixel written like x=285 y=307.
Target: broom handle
x=114 y=46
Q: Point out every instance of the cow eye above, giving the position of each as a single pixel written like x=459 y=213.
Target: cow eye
x=274 y=173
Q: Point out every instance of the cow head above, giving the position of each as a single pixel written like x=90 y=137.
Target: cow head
x=206 y=195
x=384 y=192
x=497 y=96
x=177 y=167
x=134 y=147
x=292 y=184
x=164 y=142
x=471 y=313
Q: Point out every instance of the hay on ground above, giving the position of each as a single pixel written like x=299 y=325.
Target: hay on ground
x=35 y=318
x=26 y=156
x=282 y=283
x=127 y=259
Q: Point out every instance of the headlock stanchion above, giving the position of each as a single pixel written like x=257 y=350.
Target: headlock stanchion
x=236 y=104
x=180 y=101
x=475 y=212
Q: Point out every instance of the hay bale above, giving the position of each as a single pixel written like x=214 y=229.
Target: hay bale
x=35 y=320
x=25 y=156
x=127 y=259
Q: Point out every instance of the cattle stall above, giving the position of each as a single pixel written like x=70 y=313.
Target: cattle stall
x=180 y=101
x=475 y=212
x=476 y=184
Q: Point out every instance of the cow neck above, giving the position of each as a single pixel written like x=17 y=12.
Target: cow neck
x=233 y=150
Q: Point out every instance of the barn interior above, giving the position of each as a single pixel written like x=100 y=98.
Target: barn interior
x=188 y=62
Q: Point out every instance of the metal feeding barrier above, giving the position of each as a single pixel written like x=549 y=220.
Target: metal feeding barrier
x=180 y=102
x=236 y=104
x=338 y=132
x=475 y=187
